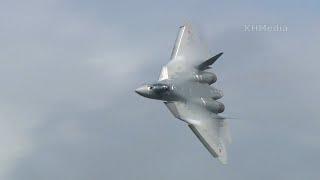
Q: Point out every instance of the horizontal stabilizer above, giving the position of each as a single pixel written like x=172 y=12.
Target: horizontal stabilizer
x=206 y=65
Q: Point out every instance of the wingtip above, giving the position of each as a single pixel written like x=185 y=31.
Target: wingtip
x=223 y=160
x=187 y=24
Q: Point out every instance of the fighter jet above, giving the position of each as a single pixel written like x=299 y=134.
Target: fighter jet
x=184 y=87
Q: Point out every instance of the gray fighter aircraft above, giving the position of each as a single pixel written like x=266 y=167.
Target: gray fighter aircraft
x=184 y=87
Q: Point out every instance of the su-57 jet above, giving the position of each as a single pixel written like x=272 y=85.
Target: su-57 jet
x=184 y=87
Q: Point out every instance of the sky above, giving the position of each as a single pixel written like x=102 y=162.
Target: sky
x=68 y=70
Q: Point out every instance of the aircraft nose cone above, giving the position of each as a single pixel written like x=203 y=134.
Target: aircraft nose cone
x=142 y=90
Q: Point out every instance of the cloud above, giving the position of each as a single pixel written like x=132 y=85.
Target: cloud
x=68 y=110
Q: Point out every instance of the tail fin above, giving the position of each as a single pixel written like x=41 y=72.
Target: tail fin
x=206 y=64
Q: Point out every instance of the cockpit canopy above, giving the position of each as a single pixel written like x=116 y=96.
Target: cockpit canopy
x=158 y=87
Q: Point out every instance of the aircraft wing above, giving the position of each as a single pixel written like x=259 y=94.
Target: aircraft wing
x=211 y=129
x=188 y=52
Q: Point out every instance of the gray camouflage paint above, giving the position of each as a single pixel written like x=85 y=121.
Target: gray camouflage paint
x=185 y=88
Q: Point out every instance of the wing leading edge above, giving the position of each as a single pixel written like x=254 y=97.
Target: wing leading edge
x=210 y=129
x=188 y=52
x=188 y=46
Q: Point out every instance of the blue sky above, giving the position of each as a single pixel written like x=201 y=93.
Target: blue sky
x=69 y=68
